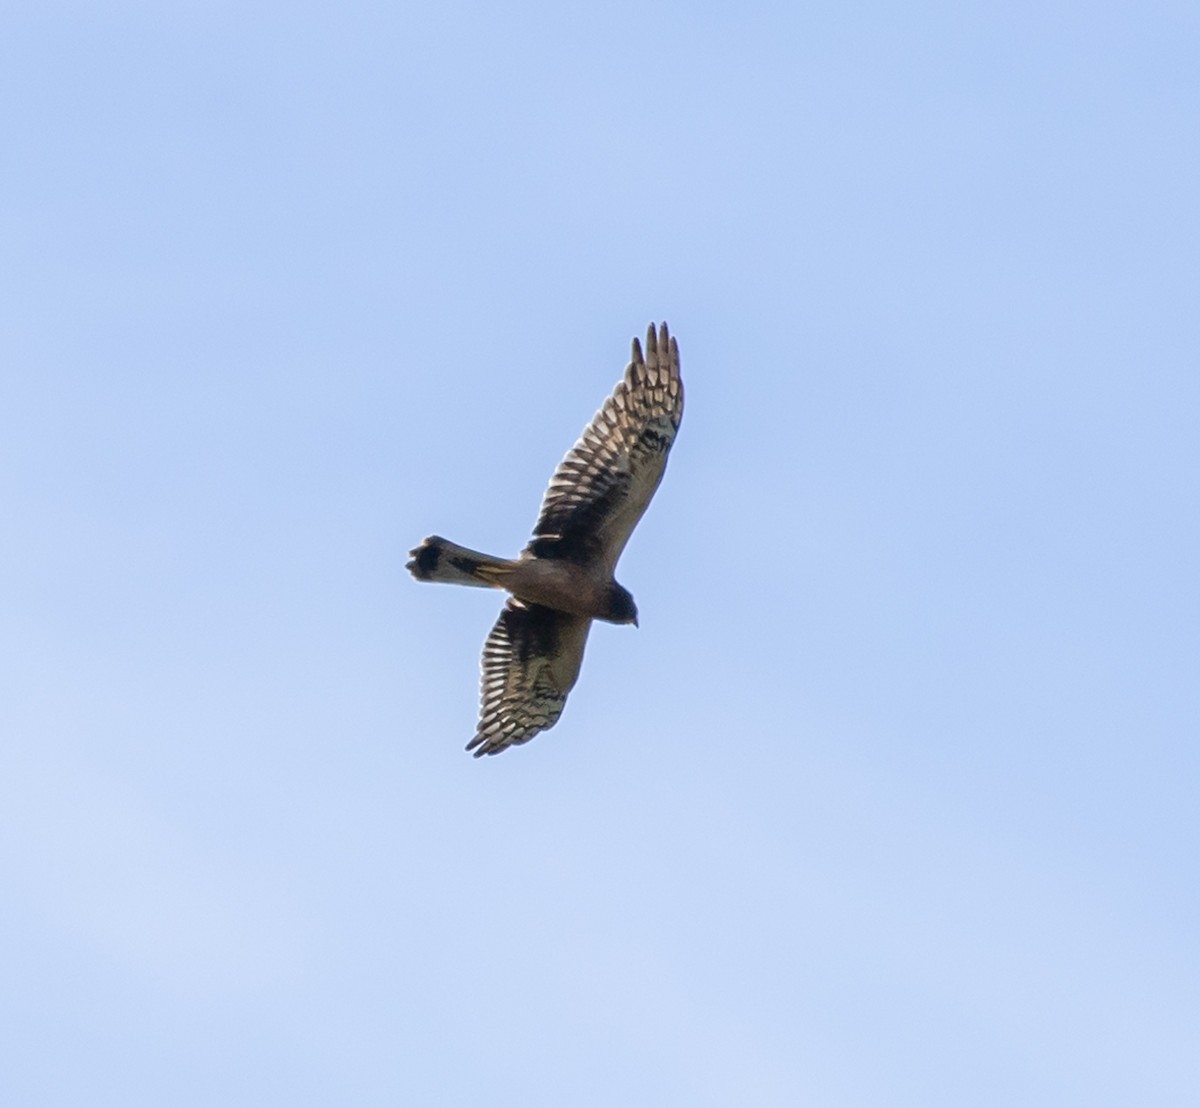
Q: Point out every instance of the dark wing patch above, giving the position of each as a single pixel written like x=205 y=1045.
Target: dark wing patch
x=602 y=487
x=530 y=662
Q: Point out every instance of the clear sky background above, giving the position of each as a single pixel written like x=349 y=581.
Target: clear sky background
x=891 y=800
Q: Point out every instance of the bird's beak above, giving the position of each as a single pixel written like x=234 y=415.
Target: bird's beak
x=635 y=622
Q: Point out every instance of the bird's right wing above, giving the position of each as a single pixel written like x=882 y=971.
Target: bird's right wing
x=602 y=487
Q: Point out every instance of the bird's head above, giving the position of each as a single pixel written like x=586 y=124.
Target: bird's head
x=621 y=608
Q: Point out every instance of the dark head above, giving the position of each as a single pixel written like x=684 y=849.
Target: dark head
x=621 y=608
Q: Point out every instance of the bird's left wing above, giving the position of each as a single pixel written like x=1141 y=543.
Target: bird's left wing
x=602 y=487
x=530 y=662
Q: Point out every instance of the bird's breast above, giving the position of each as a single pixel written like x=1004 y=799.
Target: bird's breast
x=564 y=586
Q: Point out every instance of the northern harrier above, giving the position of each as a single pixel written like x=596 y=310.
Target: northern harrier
x=564 y=578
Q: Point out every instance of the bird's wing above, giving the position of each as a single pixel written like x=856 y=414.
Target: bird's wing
x=602 y=487
x=530 y=662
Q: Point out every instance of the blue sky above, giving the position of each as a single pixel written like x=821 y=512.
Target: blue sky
x=892 y=797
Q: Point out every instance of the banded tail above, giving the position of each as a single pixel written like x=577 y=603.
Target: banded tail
x=439 y=559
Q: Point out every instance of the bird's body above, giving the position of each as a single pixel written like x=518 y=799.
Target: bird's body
x=564 y=578
x=549 y=581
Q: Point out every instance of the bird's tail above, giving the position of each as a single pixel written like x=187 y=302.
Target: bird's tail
x=438 y=559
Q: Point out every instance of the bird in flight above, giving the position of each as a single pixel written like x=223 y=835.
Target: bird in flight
x=563 y=579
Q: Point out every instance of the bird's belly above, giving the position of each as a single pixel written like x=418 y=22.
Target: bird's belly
x=559 y=585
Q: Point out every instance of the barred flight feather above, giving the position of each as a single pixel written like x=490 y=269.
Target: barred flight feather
x=602 y=487
x=530 y=662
